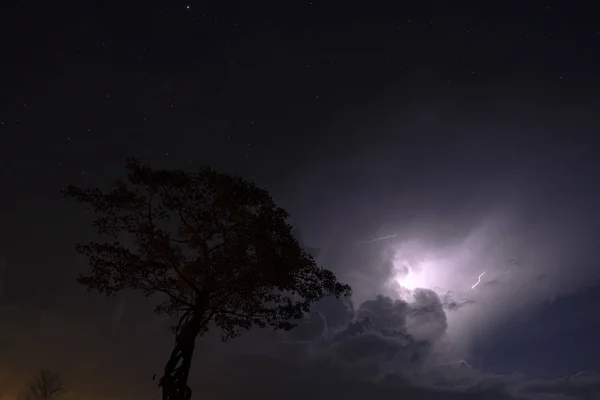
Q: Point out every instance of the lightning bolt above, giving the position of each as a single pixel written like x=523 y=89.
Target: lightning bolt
x=478 y=280
x=378 y=239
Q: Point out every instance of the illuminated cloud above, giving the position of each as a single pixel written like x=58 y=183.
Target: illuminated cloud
x=374 y=355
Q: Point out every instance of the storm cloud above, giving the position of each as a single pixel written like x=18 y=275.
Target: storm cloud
x=374 y=354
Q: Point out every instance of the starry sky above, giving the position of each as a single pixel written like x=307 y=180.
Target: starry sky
x=464 y=132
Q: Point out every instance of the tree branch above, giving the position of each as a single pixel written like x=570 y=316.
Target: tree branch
x=241 y=315
x=199 y=239
x=150 y=221
x=178 y=241
x=171 y=295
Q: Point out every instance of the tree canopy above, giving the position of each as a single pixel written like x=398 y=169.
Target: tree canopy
x=216 y=246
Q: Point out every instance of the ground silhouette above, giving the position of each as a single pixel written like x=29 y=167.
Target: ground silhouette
x=215 y=246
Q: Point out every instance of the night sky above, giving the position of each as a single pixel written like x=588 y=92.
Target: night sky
x=464 y=134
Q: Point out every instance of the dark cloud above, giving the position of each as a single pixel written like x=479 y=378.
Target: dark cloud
x=452 y=301
x=583 y=385
x=375 y=354
x=384 y=313
x=336 y=313
x=261 y=377
x=427 y=317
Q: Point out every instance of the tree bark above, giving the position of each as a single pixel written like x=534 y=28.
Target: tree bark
x=174 y=381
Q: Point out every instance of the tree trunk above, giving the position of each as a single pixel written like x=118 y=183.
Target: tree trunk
x=174 y=381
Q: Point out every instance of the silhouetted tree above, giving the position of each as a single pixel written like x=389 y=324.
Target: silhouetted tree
x=215 y=245
x=45 y=385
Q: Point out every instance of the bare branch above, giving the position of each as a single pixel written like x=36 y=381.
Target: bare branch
x=45 y=385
